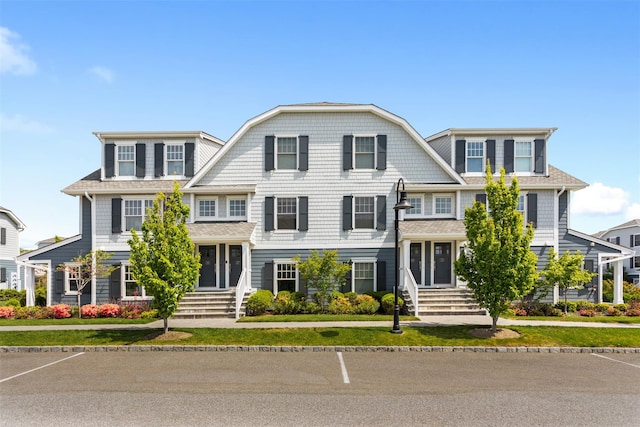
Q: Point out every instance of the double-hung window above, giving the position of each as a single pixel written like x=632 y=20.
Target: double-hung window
x=126 y=160
x=365 y=152
x=363 y=277
x=286 y=213
x=475 y=156
x=237 y=208
x=523 y=159
x=287 y=152
x=286 y=217
x=635 y=240
x=72 y=278
x=443 y=204
x=364 y=212
x=522 y=208
x=135 y=212
x=130 y=288
x=286 y=276
x=175 y=159
x=207 y=208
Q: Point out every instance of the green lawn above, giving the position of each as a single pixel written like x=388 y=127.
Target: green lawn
x=73 y=321
x=369 y=336
x=322 y=318
x=574 y=317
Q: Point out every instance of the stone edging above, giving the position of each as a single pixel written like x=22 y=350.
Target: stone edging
x=311 y=349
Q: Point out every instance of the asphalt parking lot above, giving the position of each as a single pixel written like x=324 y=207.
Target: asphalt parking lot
x=317 y=389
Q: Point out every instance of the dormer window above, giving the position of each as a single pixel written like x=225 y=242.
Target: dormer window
x=523 y=156
x=175 y=159
x=475 y=156
x=126 y=160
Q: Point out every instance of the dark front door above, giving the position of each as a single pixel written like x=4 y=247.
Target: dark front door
x=442 y=258
x=415 y=256
x=208 y=269
x=235 y=259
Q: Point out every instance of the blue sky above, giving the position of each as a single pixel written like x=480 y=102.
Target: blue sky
x=68 y=68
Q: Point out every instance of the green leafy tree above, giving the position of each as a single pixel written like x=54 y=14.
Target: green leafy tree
x=82 y=269
x=565 y=271
x=323 y=274
x=164 y=260
x=497 y=263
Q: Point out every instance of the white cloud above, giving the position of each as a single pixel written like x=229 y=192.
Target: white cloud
x=599 y=199
x=19 y=123
x=15 y=58
x=103 y=73
x=632 y=212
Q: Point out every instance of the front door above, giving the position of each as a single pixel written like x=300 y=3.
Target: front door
x=415 y=259
x=442 y=258
x=235 y=258
x=208 y=269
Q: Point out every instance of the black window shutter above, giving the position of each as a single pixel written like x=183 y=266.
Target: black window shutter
x=303 y=157
x=221 y=260
x=115 y=290
x=159 y=159
x=268 y=214
x=461 y=146
x=303 y=213
x=347 y=217
x=532 y=209
x=381 y=273
x=269 y=150
x=109 y=160
x=632 y=242
x=617 y=240
x=482 y=198
x=116 y=215
x=3 y=236
x=508 y=155
x=140 y=159
x=189 y=159
x=347 y=152
x=59 y=281
x=491 y=153
x=381 y=205
x=3 y=274
x=348 y=278
x=267 y=276
x=539 y=153
x=382 y=152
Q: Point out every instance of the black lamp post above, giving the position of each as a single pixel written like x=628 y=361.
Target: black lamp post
x=401 y=204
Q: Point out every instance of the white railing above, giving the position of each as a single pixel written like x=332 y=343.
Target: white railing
x=241 y=288
x=412 y=287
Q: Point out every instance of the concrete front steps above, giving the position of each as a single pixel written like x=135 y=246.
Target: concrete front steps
x=209 y=305
x=445 y=302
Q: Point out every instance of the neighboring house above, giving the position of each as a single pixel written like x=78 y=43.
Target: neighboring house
x=627 y=234
x=316 y=176
x=10 y=228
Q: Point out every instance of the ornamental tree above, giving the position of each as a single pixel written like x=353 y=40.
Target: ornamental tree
x=82 y=269
x=163 y=259
x=565 y=271
x=497 y=263
x=323 y=274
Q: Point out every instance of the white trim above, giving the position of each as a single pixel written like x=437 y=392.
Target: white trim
x=450 y=196
x=287 y=261
x=275 y=152
x=321 y=245
x=237 y=198
x=420 y=196
x=353 y=151
x=166 y=159
x=353 y=213
x=466 y=157
x=27 y=255
x=364 y=260
x=276 y=213
x=531 y=141
x=199 y=199
x=67 y=279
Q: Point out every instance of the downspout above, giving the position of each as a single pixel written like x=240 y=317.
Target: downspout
x=93 y=245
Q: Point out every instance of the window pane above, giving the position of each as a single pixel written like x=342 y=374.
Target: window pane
x=287 y=149
x=443 y=205
x=363 y=277
x=523 y=156
x=520 y=207
x=416 y=202
x=365 y=152
x=286 y=277
x=207 y=207
x=523 y=164
x=475 y=156
x=523 y=148
x=287 y=213
x=237 y=208
x=474 y=165
x=126 y=158
x=126 y=152
x=364 y=212
x=175 y=160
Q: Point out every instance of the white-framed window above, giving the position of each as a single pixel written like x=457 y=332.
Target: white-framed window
x=417 y=201
x=364 y=212
x=364 y=276
x=522 y=205
x=175 y=159
x=134 y=212
x=129 y=287
x=636 y=240
x=287 y=152
x=285 y=276
x=365 y=152
x=286 y=213
x=126 y=160
x=207 y=208
x=475 y=156
x=72 y=278
x=523 y=161
x=636 y=262
x=443 y=204
x=237 y=208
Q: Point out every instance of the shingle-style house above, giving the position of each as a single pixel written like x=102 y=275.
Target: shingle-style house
x=316 y=176
x=627 y=234
x=10 y=228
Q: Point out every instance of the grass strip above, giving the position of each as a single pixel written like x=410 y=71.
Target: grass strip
x=75 y=321
x=323 y=318
x=550 y=336
x=577 y=318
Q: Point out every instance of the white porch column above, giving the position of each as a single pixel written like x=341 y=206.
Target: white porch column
x=246 y=263
x=600 y=271
x=617 y=283
x=30 y=286
x=405 y=253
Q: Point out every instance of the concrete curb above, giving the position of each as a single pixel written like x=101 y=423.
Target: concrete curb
x=312 y=349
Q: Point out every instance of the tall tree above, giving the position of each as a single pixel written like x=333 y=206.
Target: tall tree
x=322 y=274
x=164 y=260
x=565 y=271
x=497 y=263
x=82 y=269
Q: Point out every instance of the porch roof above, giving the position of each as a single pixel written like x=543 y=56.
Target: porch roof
x=202 y=232
x=437 y=228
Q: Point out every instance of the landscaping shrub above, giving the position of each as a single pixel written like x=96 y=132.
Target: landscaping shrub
x=26 y=313
x=285 y=303
x=312 y=307
x=109 y=310
x=621 y=307
x=377 y=294
x=6 y=312
x=572 y=307
x=61 y=311
x=587 y=312
x=352 y=297
x=259 y=302
x=89 y=311
x=134 y=310
x=612 y=311
x=602 y=307
x=7 y=294
x=149 y=314
x=13 y=302
x=340 y=304
x=366 y=304
x=387 y=303
x=585 y=305
x=633 y=309
x=630 y=291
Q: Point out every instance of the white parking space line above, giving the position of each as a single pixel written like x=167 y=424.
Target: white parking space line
x=614 y=360
x=343 y=368
x=40 y=367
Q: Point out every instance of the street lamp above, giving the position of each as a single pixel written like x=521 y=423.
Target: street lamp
x=401 y=204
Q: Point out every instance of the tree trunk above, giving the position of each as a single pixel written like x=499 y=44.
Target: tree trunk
x=166 y=324
x=494 y=323
x=79 y=294
x=565 y=300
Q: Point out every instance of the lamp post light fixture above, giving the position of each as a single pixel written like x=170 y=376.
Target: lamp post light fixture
x=401 y=204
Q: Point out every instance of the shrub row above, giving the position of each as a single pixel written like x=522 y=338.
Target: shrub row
x=62 y=311
x=584 y=308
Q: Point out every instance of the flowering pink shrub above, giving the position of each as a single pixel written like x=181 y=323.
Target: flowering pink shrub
x=89 y=311
x=519 y=311
x=587 y=312
x=109 y=310
x=6 y=312
x=612 y=311
x=61 y=311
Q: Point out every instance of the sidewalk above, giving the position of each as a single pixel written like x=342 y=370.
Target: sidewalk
x=231 y=323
